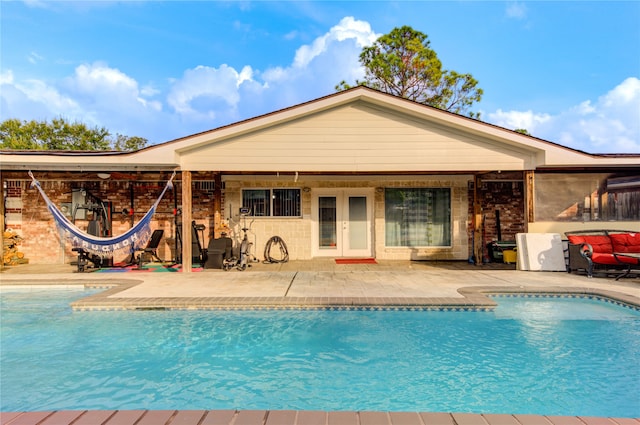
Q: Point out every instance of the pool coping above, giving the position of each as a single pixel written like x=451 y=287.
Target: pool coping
x=474 y=298
x=293 y=417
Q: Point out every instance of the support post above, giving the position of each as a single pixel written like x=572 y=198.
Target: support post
x=187 y=237
x=477 y=222
x=529 y=202
x=2 y=224
x=217 y=205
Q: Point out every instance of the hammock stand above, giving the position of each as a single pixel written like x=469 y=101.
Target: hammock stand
x=102 y=247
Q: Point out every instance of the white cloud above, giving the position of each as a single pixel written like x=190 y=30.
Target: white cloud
x=106 y=91
x=220 y=95
x=516 y=10
x=518 y=119
x=34 y=58
x=206 y=97
x=291 y=35
x=109 y=88
x=6 y=77
x=33 y=99
x=319 y=66
x=94 y=94
x=241 y=26
x=348 y=28
x=41 y=4
x=40 y=92
x=203 y=90
x=99 y=77
x=609 y=124
x=203 y=97
x=149 y=90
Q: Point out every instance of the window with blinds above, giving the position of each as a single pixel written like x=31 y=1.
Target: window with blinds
x=272 y=202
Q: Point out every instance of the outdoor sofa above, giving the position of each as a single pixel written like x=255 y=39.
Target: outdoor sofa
x=610 y=252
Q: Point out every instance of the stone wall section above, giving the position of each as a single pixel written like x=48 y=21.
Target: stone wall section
x=296 y=232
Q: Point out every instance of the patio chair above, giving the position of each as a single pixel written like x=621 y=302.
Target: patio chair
x=219 y=251
x=150 y=252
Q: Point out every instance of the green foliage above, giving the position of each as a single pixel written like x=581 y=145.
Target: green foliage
x=402 y=63
x=61 y=135
x=522 y=131
x=129 y=143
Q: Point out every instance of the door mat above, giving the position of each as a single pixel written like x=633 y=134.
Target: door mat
x=153 y=267
x=356 y=261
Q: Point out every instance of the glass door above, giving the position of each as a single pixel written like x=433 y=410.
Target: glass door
x=342 y=223
x=356 y=225
x=327 y=223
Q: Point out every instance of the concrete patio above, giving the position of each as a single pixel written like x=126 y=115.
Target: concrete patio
x=319 y=283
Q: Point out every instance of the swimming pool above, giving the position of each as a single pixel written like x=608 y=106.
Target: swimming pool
x=538 y=356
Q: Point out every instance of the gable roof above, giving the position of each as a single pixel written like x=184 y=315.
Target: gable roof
x=357 y=130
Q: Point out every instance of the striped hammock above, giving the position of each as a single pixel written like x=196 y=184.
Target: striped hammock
x=125 y=243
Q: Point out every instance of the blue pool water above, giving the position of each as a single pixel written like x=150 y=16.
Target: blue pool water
x=539 y=356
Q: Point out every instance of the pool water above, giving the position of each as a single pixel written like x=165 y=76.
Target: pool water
x=537 y=356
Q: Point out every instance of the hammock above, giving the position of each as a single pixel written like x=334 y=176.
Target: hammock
x=137 y=236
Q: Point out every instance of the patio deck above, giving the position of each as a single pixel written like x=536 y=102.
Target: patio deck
x=290 y=417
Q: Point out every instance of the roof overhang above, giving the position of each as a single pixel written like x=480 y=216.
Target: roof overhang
x=81 y=161
x=547 y=154
x=168 y=156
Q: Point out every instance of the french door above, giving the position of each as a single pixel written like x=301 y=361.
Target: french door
x=342 y=223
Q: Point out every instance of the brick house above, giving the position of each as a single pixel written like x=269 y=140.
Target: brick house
x=358 y=173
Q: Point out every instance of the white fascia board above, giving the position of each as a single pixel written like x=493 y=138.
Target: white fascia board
x=81 y=162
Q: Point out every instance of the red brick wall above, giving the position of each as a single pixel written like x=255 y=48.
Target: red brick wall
x=41 y=241
x=506 y=197
x=14 y=191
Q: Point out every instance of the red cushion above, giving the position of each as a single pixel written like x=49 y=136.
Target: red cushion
x=600 y=258
x=625 y=242
x=628 y=260
x=599 y=243
x=609 y=259
x=576 y=240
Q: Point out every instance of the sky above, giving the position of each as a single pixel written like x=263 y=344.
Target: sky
x=567 y=72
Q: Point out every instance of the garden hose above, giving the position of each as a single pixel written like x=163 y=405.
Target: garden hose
x=284 y=254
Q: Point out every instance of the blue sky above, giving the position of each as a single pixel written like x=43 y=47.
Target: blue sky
x=569 y=72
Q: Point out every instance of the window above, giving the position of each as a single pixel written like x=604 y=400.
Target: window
x=257 y=201
x=417 y=217
x=272 y=202
x=587 y=197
